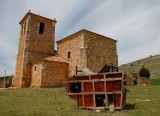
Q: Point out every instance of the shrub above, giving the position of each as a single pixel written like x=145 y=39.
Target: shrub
x=10 y=79
x=144 y=73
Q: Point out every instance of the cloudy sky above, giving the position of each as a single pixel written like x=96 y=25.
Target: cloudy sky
x=134 y=23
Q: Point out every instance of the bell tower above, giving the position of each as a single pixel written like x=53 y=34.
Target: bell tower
x=37 y=38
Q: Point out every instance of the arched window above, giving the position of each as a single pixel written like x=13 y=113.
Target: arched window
x=41 y=28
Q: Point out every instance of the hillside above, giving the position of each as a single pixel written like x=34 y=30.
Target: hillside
x=152 y=63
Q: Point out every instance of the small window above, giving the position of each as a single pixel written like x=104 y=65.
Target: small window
x=69 y=54
x=35 y=68
x=21 y=30
x=24 y=27
x=41 y=28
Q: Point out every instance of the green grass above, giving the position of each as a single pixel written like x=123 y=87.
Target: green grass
x=54 y=102
x=155 y=81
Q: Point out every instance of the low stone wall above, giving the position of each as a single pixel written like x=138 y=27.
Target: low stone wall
x=1 y=84
x=129 y=81
x=143 y=81
x=140 y=81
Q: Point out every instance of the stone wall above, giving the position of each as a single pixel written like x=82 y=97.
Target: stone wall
x=138 y=81
x=89 y=50
x=40 y=42
x=143 y=81
x=19 y=65
x=36 y=75
x=31 y=56
x=21 y=49
x=49 y=74
x=54 y=74
x=22 y=82
x=17 y=82
x=130 y=81
x=2 y=83
x=101 y=51
x=71 y=44
x=32 y=45
x=83 y=48
x=37 y=45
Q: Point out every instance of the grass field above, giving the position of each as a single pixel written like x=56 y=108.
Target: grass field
x=155 y=81
x=54 y=102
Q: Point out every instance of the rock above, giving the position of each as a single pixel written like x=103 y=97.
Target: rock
x=111 y=110
x=98 y=111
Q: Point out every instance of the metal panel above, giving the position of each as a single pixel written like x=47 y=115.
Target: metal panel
x=98 y=88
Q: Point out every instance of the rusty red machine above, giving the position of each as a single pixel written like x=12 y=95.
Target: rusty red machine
x=100 y=91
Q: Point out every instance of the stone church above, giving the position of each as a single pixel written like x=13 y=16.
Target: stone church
x=39 y=65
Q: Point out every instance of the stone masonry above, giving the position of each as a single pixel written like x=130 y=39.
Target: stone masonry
x=33 y=45
x=88 y=49
x=49 y=72
x=38 y=66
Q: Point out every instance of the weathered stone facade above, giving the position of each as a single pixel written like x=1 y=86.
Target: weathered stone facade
x=143 y=81
x=38 y=66
x=33 y=45
x=72 y=45
x=135 y=79
x=101 y=51
x=88 y=49
x=47 y=73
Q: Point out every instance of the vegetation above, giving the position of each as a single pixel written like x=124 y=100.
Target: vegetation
x=54 y=101
x=144 y=73
x=152 y=63
x=155 y=81
x=10 y=79
x=7 y=78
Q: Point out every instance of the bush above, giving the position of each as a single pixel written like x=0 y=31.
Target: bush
x=144 y=73
x=10 y=79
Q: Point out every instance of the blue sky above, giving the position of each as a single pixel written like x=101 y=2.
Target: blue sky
x=134 y=23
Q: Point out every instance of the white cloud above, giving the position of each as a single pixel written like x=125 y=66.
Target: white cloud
x=135 y=24
x=145 y=50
